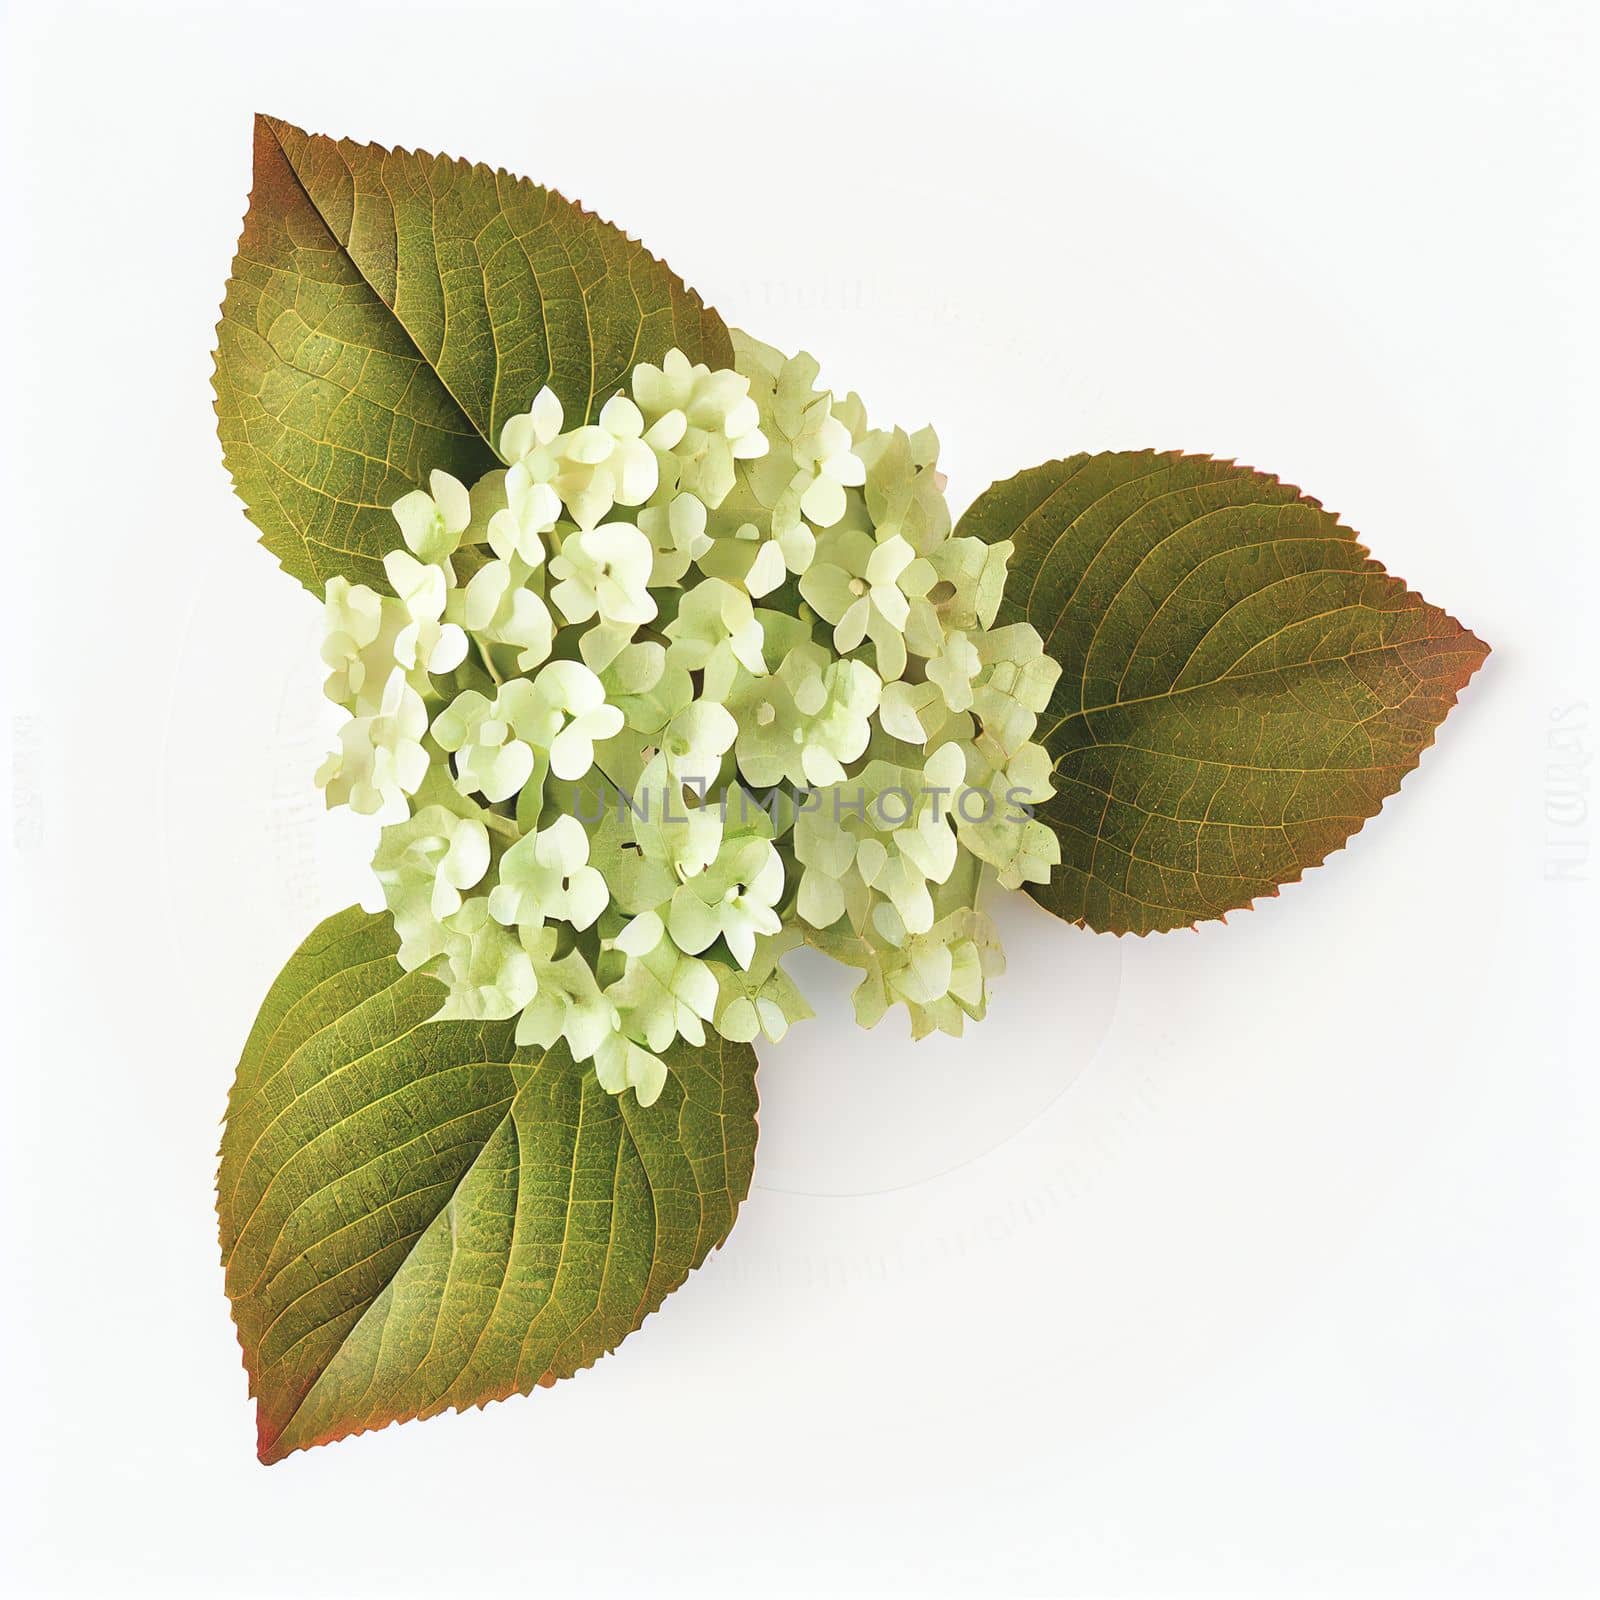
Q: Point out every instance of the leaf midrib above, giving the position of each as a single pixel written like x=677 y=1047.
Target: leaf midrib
x=273 y=126
x=1243 y=678
x=563 y=1260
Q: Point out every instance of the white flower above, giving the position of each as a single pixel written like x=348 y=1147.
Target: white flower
x=564 y=712
x=380 y=759
x=941 y=977
x=761 y=999
x=480 y=734
x=432 y=524
x=735 y=898
x=695 y=741
x=535 y=429
x=531 y=510
x=660 y=673
x=807 y=721
x=824 y=452
x=606 y=463
x=1017 y=681
x=758 y=562
x=352 y=615
x=716 y=401
x=716 y=632
x=677 y=531
x=700 y=423
x=359 y=633
x=863 y=588
x=912 y=712
x=883 y=835
x=954 y=668
x=568 y=1003
x=604 y=571
x=550 y=723
x=546 y=874
x=661 y=996
x=1003 y=831
x=490 y=974
x=675 y=840
x=423 y=865
x=621 y=1064
x=424 y=643
x=592 y=468
x=497 y=606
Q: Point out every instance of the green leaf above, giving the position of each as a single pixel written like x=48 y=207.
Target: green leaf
x=1242 y=686
x=388 y=310
x=416 y=1217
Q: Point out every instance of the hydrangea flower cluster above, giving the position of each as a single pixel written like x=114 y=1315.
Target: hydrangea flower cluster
x=672 y=691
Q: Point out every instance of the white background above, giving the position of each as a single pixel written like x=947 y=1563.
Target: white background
x=1253 y=1261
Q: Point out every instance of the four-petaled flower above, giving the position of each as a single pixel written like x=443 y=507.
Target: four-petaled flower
x=734 y=899
x=547 y=874
x=716 y=633
x=865 y=588
x=604 y=572
x=481 y=734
